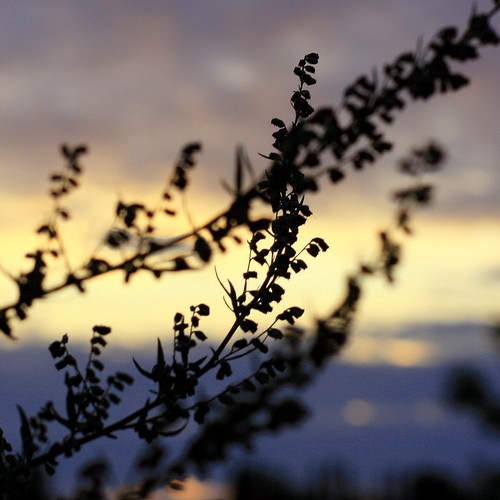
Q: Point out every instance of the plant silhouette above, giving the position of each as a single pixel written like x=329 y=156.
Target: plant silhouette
x=316 y=151
x=469 y=390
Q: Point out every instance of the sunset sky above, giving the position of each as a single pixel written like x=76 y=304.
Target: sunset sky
x=135 y=81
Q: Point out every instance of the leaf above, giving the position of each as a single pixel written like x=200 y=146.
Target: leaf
x=117 y=237
x=196 y=364
x=305 y=211
x=308 y=79
x=4 y=324
x=114 y=398
x=259 y=345
x=291 y=314
x=250 y=274
x=336 y=175
x=98 y=340
x=262 y=377
x=49 y=469
x=160 y=357
x=125 y=377
x=247 y=325
x=224 y=370
x=313 y=250
x=79 y=150
x=66 y=151
x=200 y=335
x=238 y=181
x=362 y=157
x=226 y=399
x=203 y=310
x=203 y=249
x=142 y=371
x=274 y=157
x=278 y=123
x=116 y=384
x=180 y=264
x=277 y=290
x=63 y=363
x=70 y=402
x=480 y=28
x=467 y=389
x=101 y=330
x=240 y=344
x=48 y=230
x=97 y=266
x=274 y=333
x=381 y=146
x=248 y=385
x=448 y=34
x=279 y=364
x=180 y=179
x=219 y=280
x=27 y=437
x=232 y=296
x=312 y=58
x=98 y=365
x=321 y=243
x=458 y=81
x=288 y=412
x=57 y=349
x=258 y=225
x=191 y=148
x=298 y=265
x=201 y=411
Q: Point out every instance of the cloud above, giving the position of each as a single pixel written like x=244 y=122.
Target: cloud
x=419 y=344
x=141 y=80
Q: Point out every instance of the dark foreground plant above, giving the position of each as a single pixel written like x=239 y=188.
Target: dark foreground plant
x=338 y=484
x=319 y=147
x=470 y=390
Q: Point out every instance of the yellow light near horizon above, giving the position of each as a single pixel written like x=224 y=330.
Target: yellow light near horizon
x=400 y=352
x=433 y=283
x=358 y=412
x=443 y=275
x=191 y=489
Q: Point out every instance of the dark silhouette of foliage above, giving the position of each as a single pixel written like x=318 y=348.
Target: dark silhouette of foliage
x=319 y=147
x=338 y=485
x=469 y=390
